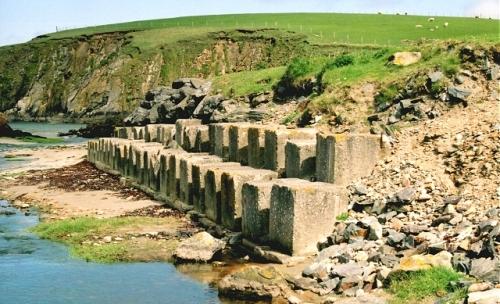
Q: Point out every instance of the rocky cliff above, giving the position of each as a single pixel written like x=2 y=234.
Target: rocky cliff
x=89 y=78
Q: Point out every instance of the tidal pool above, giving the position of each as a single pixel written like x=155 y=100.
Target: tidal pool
x=33 y=270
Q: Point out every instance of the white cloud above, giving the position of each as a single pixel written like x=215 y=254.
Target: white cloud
x=485 y=8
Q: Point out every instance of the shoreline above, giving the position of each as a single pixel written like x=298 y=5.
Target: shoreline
x=46 y=182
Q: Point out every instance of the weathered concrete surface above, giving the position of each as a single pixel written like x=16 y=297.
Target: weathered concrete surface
x=165 y=134
x=180 y=125
x=342 y=158
x=256 y=145
x=186 y=177
x=219 y=139
x=150 y=158
x=238 y=143
x=138 y=132
x=173 y=172
x=275 y=141
x=124 y=132
x=202 y=139
x=231 y=197
x=303 y=213
x=163 y=171
x=199 y=171
x=156 y=133
x=300 y=158
x=256 y=200
x=213 y=190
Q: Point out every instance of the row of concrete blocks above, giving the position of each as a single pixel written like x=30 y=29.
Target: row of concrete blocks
x=301 y=153
x=293 y=214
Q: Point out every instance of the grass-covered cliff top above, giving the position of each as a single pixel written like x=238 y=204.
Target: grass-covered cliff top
x=320 y=28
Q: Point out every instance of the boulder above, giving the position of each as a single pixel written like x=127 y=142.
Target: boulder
x=5 y=129
x=405 y=58
x=201 y=247
x=253 y=283
x=486 y=269
x=427 y=261
x=435 y=76
x=491 y=296
x=458 y=94
x=374 y=227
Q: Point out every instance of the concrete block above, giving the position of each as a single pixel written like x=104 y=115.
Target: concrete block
x=186 y=176
x=300 y=158
x=238 y=143
x=195 y=139
x=156 y=133
x=275 y=141
x=138 y=132
x=199 y=172
x=213 y=190
x=342 y=158
x=180 y=125
x=256 y=200
x=202 y=141
x=231 y=201
x=302 y=213
x=165 y=134
x=173 y=172
x=124 y=132
x=153 y=168
x=162 y=171
x=219 y=139
x=148 y=158
x=256 y=145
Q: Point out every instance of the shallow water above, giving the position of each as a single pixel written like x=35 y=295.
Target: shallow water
x=37 y=128
x=39 y=271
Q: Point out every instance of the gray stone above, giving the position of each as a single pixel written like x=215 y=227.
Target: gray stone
x=374 y=227
x=491 y=296
x=436 y=76
x=406 y=195
x=459 y=94
x=394 y=237
x=351 y=270
x=486 y=269
x=318 y=270
x=201 y=247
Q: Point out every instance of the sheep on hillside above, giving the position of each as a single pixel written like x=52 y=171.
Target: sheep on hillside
x=418 y=26
x=431 y=19
x=446 y=24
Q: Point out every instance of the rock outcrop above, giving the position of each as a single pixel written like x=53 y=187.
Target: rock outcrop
x=190 y=98
x=201 y=247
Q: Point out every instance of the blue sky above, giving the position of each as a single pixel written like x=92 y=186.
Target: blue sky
x=21 y=20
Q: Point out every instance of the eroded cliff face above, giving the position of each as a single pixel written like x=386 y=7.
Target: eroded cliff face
x=106 y=75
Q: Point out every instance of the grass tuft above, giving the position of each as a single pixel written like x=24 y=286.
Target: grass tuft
x=342 y=217
x=73 y=232
x=409 y=287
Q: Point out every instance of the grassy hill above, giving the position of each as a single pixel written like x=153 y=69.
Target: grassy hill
x=107 y=69
x=320 y=28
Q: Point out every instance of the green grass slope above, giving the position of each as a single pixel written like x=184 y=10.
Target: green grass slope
x=320 y=28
